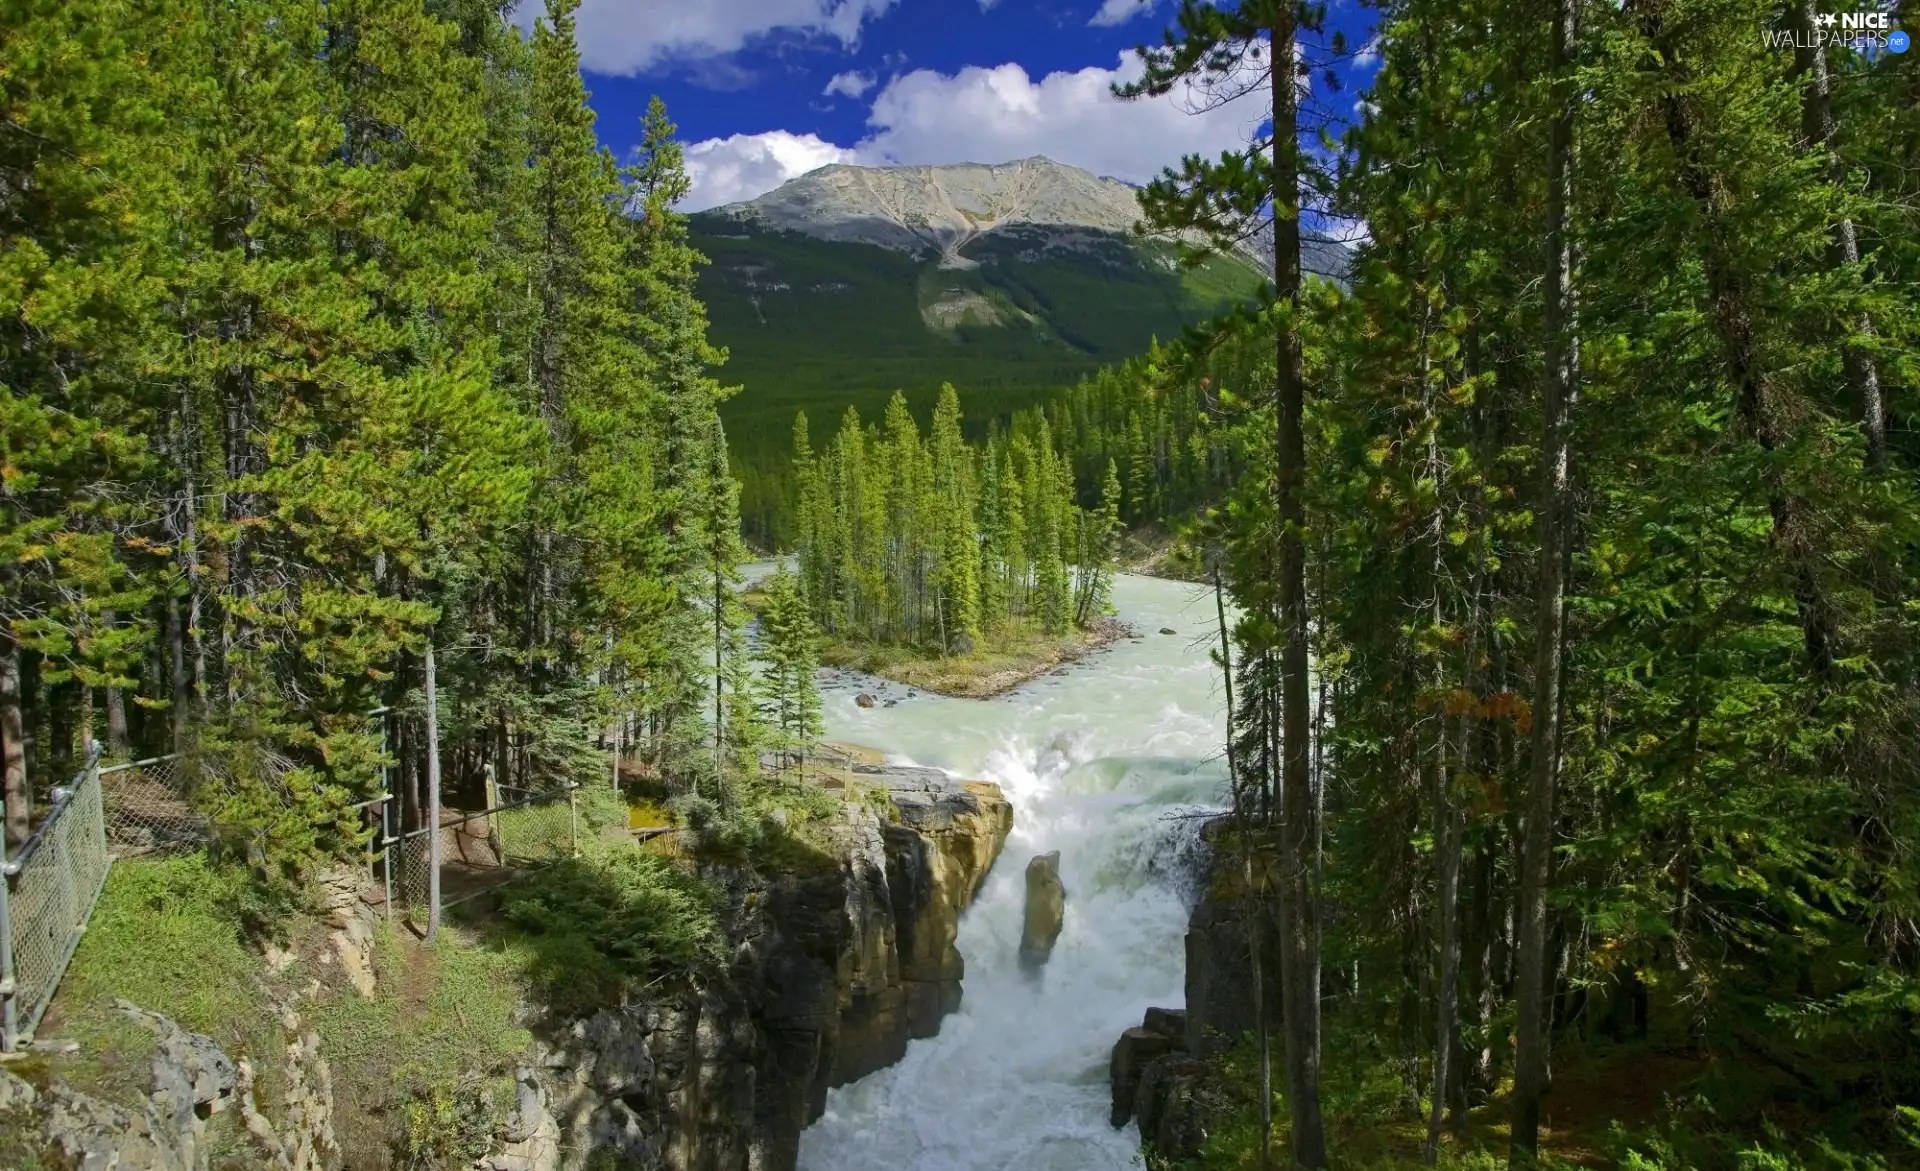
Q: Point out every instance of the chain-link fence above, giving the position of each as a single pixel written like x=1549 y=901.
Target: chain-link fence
x=158 y=806
x=520 y=829
x=149 y=810
x=48 y=890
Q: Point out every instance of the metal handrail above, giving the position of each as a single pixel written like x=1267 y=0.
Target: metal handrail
x=476 y=816
x=62 y=797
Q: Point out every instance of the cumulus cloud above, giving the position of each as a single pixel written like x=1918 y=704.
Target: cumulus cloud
x=741 y=166
x=849 y=84
x=1118 y=12
x=985 y=115
x=991 y=115
x=628 y=37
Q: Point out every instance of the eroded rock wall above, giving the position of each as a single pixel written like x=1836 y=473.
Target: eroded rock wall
x=835 y=969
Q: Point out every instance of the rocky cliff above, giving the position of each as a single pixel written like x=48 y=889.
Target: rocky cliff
x=1157 y=1066
x=834 y=971
x=942 y=209
x=835 y=966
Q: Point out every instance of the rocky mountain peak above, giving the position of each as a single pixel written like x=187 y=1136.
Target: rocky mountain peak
x=946 y=207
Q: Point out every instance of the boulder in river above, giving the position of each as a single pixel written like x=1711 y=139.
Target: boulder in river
x=1162 y=1034
x=865 y=700
x=1046 y=911
x=1168 y=630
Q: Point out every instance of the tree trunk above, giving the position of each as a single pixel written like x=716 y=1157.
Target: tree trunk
x=177 y=672
x=1447 y=996
x=719 y=700
x=1561 y=387
x=1300 y=953
x=1863 y=373
x=117 y=737
x=13 y=743
x=1255 y=941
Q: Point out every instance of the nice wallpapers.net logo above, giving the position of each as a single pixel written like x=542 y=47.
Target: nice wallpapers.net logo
x=1863 y=32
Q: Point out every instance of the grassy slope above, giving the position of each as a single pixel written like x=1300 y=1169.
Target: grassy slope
x=847 y=329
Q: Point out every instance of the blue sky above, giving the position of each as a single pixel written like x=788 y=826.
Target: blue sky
x=764 y=90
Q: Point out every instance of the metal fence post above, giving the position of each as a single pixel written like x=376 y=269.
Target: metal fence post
x=493 y=818
x=8 y=992
x=433 y=802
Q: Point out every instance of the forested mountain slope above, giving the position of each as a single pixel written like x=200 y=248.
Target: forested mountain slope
x=849 y=283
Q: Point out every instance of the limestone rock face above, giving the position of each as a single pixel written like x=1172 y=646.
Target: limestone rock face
x=943 y=207
x=835 y=968
x=1219 y=963
x=1046 y=911
x=192 y=1078
x=1164 y=1105
x=339 y=892
x=1161 y=1034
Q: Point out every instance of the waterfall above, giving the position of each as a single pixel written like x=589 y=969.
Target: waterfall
x=1113 y=766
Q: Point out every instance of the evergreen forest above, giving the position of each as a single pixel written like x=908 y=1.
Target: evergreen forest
x=338 y=351
x=1573 y=551
x=1566 y=555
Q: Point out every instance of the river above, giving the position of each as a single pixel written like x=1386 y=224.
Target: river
x=1101 y=765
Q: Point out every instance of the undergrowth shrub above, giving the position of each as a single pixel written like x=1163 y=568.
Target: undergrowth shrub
x=596 y=924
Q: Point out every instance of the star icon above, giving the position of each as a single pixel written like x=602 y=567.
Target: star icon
x=1828 y=19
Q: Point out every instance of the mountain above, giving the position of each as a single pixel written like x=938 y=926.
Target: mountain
x=1009 y=280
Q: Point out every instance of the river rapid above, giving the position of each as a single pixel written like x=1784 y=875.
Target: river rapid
x=1110 y=765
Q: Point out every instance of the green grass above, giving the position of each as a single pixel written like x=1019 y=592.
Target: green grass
x=432 y=1048
x=170 y=936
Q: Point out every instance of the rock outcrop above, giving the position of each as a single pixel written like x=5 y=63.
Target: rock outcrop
x=1046 y=911
x=1219 y=956
x=835 y=969
x=193 y=1080
x=1153 y=1079
x=1157 y=1067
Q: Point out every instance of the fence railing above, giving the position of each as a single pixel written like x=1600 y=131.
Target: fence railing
x=149 y=809
x=47 y=891
x=520 y=829
x=157 y=807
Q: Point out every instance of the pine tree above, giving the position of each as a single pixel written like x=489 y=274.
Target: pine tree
x=950 y=492
x=792 y=657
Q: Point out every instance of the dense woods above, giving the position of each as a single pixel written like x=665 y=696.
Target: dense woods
x=1599 y=518
x=930 y=542
x=332 y=337
x=1573 y=544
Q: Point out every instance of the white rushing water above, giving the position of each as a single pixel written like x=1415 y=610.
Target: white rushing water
x=1098 y=764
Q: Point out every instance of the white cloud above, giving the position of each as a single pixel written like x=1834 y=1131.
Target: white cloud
x=985 y=115
x=1118 y=12
x=726 y=170
x=849 y=84
x=991 y=115
x=1368 y=56
x=628 y=37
